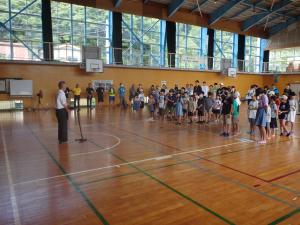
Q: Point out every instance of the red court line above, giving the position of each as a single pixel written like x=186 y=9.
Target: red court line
x=239 y=171
x=250 y=175
x=284 y=175
x=211 y=161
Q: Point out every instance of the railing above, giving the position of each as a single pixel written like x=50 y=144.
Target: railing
x=66 y=52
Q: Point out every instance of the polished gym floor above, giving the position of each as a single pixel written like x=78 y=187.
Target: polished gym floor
x=132 y=171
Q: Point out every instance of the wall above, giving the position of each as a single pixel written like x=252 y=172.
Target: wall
x=46 y=77
x=283 y=80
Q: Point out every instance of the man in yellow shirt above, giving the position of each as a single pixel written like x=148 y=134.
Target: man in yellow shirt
x=77 y=92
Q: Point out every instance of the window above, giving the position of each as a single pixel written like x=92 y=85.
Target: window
x=252 y=54
x=24 y=42
x=188 y=46
x=74 y=26
x=141 y=40
x=223 y=48
x=285 y=60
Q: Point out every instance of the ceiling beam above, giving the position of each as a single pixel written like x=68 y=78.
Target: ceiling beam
x=221 y=11
x=160 y=11
x=252 y=21
x=246 y=9
x=174 y=7
x=117 y=3
x=281 y=26
x=250 y=4
x=200 y=5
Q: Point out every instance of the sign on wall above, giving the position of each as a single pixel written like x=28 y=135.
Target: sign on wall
x=106 y=84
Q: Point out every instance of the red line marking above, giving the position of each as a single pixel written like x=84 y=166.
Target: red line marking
x=211 y=161
x=283 y=176
x=239 y=171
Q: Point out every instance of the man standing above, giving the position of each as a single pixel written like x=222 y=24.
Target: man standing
x=100 y=93
x=89 y=95
x=122 y=92
x=76 y=93
x=62 y=113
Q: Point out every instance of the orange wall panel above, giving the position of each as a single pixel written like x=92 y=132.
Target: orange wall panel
x=46 y=77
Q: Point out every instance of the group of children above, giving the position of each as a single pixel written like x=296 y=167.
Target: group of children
x=205 y=104
x=266 y=107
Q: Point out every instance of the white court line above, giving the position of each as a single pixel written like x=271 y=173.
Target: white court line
x=100 y=150
x=13 y=198
x=133 y=162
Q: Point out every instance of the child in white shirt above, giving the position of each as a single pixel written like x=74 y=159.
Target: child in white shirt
x=268 y=119
x=293 y=111
x=252 y=110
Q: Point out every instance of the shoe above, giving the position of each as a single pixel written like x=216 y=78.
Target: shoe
x=262 y=142
x=226 y=135
x=281 y=134
x=223 y=134
x=199 y=121
x=288 y=134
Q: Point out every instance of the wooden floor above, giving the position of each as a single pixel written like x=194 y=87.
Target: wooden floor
x=132 y=171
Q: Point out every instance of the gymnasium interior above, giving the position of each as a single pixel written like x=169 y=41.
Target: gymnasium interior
x=119 y=167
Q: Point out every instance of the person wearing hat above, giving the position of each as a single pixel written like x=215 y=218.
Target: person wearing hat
x=275 y=89
x=284 y=109
x=261 y=115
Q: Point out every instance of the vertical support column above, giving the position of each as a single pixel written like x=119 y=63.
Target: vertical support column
x=241 y=52
x=85 y=28
x=72 y=36
x=171 y=42
x=110 y=37
x=235 y=51
x=162 y=43
x=203 y=43
x=47 y=30
x=264 y=56
x=210 y=50
x=11 y=41
x=117 y=37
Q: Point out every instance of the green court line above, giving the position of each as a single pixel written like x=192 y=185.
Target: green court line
x=284 y=217
x=173 y=189
x=169 y=187
x=243 y=185
x=70 y=180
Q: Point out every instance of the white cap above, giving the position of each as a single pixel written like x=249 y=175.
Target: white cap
x=222 y=84
x=271 y=93
x=284 y=97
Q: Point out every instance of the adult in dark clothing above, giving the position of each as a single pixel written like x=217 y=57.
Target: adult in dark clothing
x=226 y=112
x=287 y=91
x=221 y=90
x=100 y=94
x=62 y=113
x=89 y=95
x=197 y=88
x=132 y=93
